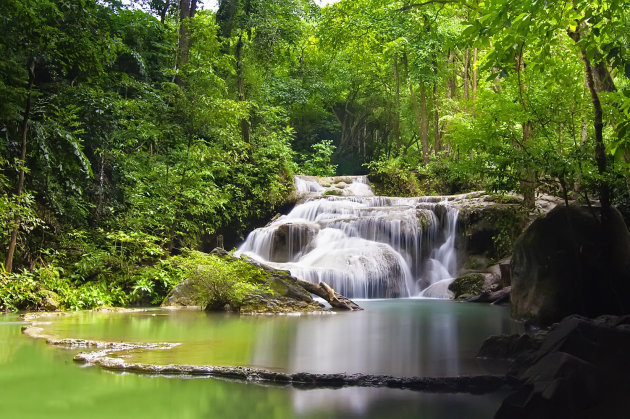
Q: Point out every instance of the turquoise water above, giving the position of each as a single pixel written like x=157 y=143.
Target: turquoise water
x=398 y=337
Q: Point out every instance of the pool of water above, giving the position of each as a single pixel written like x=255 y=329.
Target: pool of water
x=396 y=337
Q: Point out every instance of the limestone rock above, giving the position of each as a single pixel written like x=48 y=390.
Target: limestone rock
x=467 y=285
x=560 y=267
x=280 y=292
x=290 y=239
x=50 y=301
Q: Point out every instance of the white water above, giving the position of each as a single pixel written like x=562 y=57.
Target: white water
x=362 y=245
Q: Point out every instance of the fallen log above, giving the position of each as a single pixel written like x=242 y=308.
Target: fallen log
x=496 y=297
x=331 y=296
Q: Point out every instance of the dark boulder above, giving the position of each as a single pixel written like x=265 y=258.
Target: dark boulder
x=580 y=370
x=569 y=262
x=509 y=347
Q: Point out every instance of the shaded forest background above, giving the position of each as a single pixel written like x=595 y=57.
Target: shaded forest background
x=134 y=133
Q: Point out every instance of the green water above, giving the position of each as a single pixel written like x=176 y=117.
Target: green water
x=39 y=381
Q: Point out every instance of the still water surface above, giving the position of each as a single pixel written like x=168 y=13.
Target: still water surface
x=396 y=337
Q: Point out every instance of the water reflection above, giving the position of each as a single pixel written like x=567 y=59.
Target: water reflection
x=402 y=338
x=395 y=337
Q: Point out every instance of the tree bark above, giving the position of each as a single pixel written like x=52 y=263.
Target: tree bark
x=451 y=91
x=416 y=110
x=187 y=10
x=396 y=116
x=240 y=86
x=437 y=134
x=333 y=298
x=167 y=5
x=474 y=75
x=598 y=79
x=424 y=131
x=466 y=72
x=8 y=266
x=598 y=124
x=225 y=16
x=528 y=182
x=101 y=184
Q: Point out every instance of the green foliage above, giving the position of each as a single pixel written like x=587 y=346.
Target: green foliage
x=393 y=177
x=221 y=281
x=319 y=162
x=509 y=226
x=134 y=152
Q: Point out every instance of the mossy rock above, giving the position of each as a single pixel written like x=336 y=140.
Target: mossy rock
x=267 y=303
x=221 y=282
x=334 y=192
x=50 y=300
x=467 y=286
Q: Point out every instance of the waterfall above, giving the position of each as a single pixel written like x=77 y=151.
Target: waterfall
x=362 y=245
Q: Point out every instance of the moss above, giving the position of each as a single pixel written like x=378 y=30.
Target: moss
x=220 y=282
x=467 y=286
x=334 y=192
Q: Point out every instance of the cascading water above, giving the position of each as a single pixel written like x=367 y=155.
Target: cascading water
x=362 y=245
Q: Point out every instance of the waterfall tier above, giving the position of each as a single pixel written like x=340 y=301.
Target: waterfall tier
x=362 y=245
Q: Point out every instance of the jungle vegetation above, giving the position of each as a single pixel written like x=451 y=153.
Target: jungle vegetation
x=133 y=131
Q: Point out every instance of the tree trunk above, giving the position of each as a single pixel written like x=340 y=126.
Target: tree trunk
x=466 y=72
x=598 y=125
x=333 y=298
x=167 y=5
x=451 y=91
x=240 y=86
x=436 y=121
x=528 y=182
x=416 y=110
x=101 y=183
x=598 y=79
x=396 y=116
x=187 y=10
x=474 y=75
x=8 y=266
x=424 y=129
x=437 y=134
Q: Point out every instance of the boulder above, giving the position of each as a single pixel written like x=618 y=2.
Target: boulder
x=289 y=239
x=568 y=262
x=50 y=301
x=275 y=291
x=487 y=230
x=467 y=286
x=580 y=370
x=509 y=347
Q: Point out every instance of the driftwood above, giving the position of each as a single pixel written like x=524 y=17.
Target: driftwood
x=496 y=297
x=333 y=298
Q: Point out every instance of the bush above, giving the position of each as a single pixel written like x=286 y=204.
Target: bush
x=318 y=163
x=393 y=177
x=220 y=281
